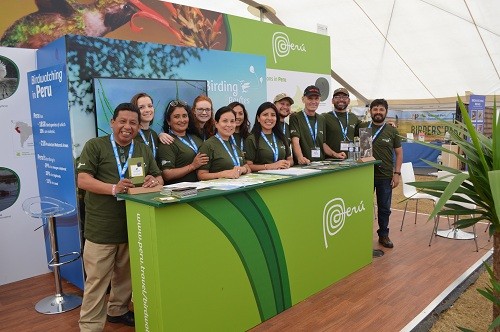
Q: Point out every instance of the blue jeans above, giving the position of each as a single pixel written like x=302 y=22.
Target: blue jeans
x=383 y=190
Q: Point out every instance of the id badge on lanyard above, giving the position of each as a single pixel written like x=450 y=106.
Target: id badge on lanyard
x=315 y=153
x=344 y=146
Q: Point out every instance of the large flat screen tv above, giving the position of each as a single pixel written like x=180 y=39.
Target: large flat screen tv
x=109 y=92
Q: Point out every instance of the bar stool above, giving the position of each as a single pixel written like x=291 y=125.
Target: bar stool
x=47 y=209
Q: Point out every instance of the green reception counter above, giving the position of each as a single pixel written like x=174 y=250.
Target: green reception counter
x=229 y=260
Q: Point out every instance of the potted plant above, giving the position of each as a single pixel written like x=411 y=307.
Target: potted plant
x=480 y=184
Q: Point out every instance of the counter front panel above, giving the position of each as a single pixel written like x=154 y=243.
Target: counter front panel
x=231 y=261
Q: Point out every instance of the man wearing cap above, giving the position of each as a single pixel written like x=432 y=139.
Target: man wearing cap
x=283 y=103
x=307 y=130
x=341 y=125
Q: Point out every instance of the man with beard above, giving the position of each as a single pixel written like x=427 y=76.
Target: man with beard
x=341 y=125
x=386 y=142
x=283 y=103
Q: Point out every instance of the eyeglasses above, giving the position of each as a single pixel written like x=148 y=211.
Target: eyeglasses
x=175 y=103
x=341 y=97
x=201 y=110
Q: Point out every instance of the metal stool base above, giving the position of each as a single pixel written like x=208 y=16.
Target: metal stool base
x=456 y=234
x=56 y=304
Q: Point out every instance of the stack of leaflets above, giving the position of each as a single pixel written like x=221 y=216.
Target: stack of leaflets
x=184 y=192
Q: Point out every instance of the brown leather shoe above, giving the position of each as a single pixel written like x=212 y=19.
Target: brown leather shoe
x=385 y=241
x=126 y=319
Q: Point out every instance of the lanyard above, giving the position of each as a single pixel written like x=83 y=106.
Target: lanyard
x=284 y=128
x=121 y=171
x=191 y=143
x=234 y=157
x=273 y=148
x=315 y=132
x=342 y=129
x=234 y=142
x=374 y=137
x=147 y=142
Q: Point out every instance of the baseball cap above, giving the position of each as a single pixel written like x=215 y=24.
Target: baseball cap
x=312 y=90
x=282 y=96
x=341 y=90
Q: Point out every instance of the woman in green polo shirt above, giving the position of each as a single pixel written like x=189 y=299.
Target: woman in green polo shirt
x=225 y=159
x=242 y=129
x=179 y=160
x=267 y=147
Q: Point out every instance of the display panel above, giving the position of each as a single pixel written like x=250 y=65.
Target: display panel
x=109 y=92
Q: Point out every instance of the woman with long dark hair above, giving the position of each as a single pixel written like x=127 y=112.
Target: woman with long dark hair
x=242 y=129
x=267 y=146
x=179 y=160
x=225 y=159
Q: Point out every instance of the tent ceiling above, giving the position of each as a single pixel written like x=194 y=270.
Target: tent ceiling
x=406 y=49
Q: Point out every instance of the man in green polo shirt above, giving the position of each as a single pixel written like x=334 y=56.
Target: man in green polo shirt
x=341 y=125
x=103 y=173
x=386 y=143
x=307 y=131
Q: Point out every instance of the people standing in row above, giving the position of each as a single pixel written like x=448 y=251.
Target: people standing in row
x=203 y=120
x=307 y=130
x=102 y=173
x=267 y=146
x=180 y=159
x=341 y=125
x=242 y=129
x=225 y=159
x=283 y=103
x=386 y=148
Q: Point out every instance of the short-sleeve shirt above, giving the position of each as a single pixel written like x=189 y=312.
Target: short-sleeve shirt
x=383 y=146
x=105 y=217
x=334 y=133
x=151 y=137
x=300 y=129
x=240 y=142
x=177 y=155
x=263 y=154
x=218 y=157
x=285 y=129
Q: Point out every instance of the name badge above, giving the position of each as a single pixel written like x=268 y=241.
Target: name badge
x=315 y=153
x=344 y=146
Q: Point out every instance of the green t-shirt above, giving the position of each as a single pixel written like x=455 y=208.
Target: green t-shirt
x=263 y=154
x=218 y=158
x=383 y=148
x=300 y=129
x=285 y=129
x=179 y=154
x=334 y=133
x=152 y=140
x=105 y=218
x=239 y=142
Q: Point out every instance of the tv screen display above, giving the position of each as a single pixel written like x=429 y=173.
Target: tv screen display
x=109 y=92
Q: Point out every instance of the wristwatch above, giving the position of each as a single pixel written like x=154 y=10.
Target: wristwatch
x=398 y=173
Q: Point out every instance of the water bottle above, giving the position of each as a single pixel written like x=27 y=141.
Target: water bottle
x=439 y=159
x=357 y=149
x=447 y=137
x=350 y=155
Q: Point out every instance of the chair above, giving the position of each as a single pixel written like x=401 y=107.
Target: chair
x=454 y=233
x=410 y=192
x=48 y=208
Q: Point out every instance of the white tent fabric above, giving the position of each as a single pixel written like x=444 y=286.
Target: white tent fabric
x=406 y=49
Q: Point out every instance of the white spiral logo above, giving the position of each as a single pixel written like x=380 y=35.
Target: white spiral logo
x=335 y=214
x=281 y=45
x=333 y=218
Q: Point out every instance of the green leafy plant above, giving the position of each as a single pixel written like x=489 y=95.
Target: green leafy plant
x=480 y=185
